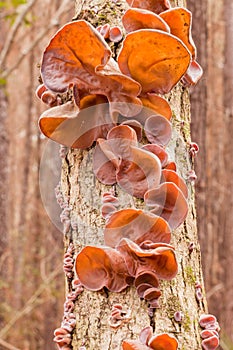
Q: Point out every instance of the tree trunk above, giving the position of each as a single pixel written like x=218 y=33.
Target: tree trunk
x=212 y=113
x=83 y=193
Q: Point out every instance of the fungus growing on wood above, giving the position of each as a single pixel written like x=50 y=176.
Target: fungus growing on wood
x=136 y=225
x=134 y=124
x=74 y=127
x=136 y=170
x=62 y=337
x=135 y=19
x=154 y=103
x=158 y=151
x=158 y=258
x=157 y=60
x=119 y=316
x=210 y=333
x=139 y=172
x=104 y=30
x=148 y=341
x=158 y=130
x=155 y=6
x=115 y=34
x=193 y=74
x=66 y=64
x=167 y=201
x=102 y=267
x=169 y=175
x=179 y=20
x=147 y=286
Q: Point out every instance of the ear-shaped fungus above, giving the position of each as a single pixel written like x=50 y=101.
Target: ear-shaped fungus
x=136 y=170
x=133 y=345
x=135 y=19
x=136 y=225
x=171 y=176
x=193 y=74
x=167 y=201
x=158 y=151
x=155 y=103
x=78 y=56
x=147 y=285
x=102 y=267
x=139 y=172
x=163 y=342
x=158 y=130
x=148 y=341
x=74 y=127
x=159 y=258
x=210 y=343
x=157 y=60
x=179 y=20
x=155 y=6
x=115 y=34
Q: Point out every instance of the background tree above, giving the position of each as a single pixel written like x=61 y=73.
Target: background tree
x=32 y=287
x=212 y=111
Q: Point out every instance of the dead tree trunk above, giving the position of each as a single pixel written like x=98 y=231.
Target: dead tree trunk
x=83 y=192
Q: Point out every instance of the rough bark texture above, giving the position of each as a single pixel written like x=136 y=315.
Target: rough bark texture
x=212 y=112
x=84 y=192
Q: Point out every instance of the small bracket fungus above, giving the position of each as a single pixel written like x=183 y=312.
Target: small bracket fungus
x=193 y=149
x=119 y=316
x=178 y=316
x=147 y=286
x=210 y=333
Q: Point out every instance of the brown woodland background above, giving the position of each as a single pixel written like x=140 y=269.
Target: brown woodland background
x=31 y=247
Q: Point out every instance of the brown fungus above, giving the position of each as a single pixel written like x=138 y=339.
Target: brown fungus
x=155 y=59
x=148 y=341
x=167 y=201
x=159 y=151
x=158 y=130
x=159 y=258
x=66 y=64
x=155 y=6
x=118 y=159
x=136 y=225
x=135 y=19
x=179 y=20
x=171 y=176
x=102 y=267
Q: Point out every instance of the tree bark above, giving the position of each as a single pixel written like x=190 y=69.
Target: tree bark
x=83 y=193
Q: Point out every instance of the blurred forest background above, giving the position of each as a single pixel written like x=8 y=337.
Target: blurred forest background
x=31 y=247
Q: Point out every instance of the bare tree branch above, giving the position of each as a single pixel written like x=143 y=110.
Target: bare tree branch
x=54 y=21
x=13 y=31
x=31 y=303
x=7 y=345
